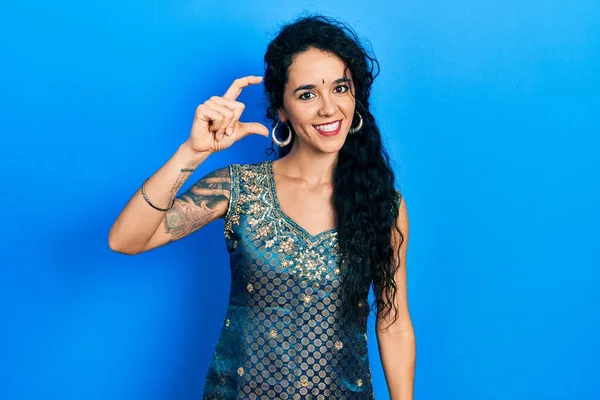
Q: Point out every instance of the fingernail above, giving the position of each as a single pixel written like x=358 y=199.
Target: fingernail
x=229 y=131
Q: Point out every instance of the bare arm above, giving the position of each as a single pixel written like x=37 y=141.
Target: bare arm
x=215 y=128
x=397 y=345
x=138 y=225
x=204 y=202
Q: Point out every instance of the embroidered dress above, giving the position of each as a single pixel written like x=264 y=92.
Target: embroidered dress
x=283 y=336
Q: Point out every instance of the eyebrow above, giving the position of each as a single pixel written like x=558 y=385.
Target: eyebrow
x=307 y=87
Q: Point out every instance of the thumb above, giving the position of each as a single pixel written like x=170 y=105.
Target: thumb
x=247 y=128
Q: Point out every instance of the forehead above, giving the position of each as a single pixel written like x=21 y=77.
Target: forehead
x=313 y=65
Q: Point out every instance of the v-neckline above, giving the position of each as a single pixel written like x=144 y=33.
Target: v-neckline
x=277 y=206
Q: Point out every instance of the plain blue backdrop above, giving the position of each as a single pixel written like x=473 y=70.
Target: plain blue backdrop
x=488 y=108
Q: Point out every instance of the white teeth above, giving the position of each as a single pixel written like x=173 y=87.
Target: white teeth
x=328 y=127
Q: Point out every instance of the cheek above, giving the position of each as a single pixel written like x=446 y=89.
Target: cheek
x=349 y=104
x=302 y=115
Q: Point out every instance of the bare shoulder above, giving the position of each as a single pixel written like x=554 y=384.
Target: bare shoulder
x=402 y=222
x=402 y=210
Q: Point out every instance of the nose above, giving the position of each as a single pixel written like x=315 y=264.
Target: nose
x=327 y=106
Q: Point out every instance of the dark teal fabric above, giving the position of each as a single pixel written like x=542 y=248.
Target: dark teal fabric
x=283 y=336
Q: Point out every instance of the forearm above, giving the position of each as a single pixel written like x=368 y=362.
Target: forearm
x=138 y=221
x=398 y=355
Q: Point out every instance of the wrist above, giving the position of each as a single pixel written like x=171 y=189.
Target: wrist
x=192 y=154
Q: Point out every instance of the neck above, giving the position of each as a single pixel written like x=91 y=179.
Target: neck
x=313 y=168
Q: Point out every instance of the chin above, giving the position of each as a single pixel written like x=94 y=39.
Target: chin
x=333 y=146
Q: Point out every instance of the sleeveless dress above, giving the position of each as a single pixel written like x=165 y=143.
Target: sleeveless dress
x=283 y=336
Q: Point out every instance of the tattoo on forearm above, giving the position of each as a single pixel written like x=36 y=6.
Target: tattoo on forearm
x=197 y=207
x=185 y=172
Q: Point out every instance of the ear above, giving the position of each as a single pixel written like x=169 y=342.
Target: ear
x=283 y=117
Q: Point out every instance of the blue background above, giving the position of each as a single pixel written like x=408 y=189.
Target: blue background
x=489 y=109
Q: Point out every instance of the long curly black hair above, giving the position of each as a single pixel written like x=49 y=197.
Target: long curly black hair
x=364 y=197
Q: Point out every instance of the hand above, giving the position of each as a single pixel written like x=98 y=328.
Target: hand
x=216 y=124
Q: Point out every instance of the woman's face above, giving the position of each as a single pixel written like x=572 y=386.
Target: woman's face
x=317 y=101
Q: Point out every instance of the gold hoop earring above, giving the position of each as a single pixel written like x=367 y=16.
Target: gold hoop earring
x=282 y=143
x=360 y=122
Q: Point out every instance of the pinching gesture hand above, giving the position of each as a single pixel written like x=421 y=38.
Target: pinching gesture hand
x=216 y=124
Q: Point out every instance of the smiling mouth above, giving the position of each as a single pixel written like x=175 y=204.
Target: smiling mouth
x=329 y=127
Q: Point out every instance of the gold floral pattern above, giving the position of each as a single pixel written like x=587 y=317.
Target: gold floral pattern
x=257 y=199
x=285 y=336
x=304 y=381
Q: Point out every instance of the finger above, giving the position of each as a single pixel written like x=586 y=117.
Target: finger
x=247 y=128
x=236 y=87
x=236 y=106
x=228 y=115
x=231 y=104
x=209 y=115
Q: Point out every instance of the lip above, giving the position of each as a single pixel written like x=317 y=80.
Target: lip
x=332 y=133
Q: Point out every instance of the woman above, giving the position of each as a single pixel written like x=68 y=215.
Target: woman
x=307 y=233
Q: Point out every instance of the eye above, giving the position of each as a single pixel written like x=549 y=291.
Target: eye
x=343 y=87
x=303 y=96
